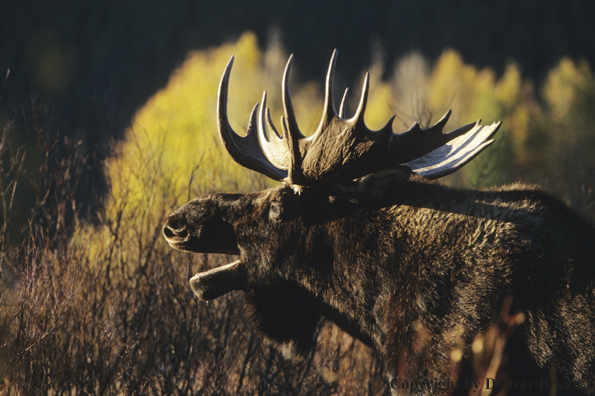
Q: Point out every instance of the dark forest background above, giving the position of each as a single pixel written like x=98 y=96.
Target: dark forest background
x=72 y=54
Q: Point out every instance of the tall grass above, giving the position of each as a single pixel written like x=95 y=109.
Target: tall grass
x=106 y=308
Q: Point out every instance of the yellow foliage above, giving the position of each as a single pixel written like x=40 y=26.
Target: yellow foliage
x=517 y=107
x=409 y=84
x=463 y=88
x=173 y=142
x=173 y=147
x=569 y=92
x=564 y=86
x=474 y=94
x=378 y=109
x=180 y=120
x=508 y=89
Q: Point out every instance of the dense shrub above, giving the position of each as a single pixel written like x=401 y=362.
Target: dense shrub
x=105 y=308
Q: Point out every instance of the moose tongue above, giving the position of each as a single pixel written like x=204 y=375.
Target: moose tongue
x=219 y=281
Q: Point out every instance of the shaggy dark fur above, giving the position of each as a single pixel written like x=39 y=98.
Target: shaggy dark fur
x=414 y=269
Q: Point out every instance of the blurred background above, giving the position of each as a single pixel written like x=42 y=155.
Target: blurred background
x=107 y=114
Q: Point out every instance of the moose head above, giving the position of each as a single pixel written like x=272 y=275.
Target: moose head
x=342 y=155
x=358 y=233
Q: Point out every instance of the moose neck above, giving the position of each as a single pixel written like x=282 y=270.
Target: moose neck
x=364 y=263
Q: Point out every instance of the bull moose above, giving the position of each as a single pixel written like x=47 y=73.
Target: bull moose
x=359 y=233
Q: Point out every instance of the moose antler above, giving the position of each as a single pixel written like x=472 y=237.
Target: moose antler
x=343 y=149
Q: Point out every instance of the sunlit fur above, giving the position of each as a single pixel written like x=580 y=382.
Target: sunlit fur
x=415 y=269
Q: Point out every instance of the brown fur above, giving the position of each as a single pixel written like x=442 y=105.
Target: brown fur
x=415 y=270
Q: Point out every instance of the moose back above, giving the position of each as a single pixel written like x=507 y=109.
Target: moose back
x=358 y=232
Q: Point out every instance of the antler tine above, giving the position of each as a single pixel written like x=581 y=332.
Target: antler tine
x=436 y=130
x=287 y=105
x=438 y=127
x=431 y=133
x=272 y=144
x=244 y=150
x=291 y=132
x=295 y=174
x=343 y=102
x=329 y=111
x=361 y=108
x=417 y=141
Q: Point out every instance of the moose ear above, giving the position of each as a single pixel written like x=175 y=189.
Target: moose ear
x=373 y=187
x=276 y=211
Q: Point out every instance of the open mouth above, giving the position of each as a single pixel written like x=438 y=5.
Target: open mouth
x=214 y=283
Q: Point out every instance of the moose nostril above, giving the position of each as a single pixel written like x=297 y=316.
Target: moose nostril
x=175 y=233
x=182 y=233
x=168 y=232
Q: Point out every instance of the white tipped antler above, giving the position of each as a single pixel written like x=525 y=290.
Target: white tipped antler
x=455 y=154
x=343 y=149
